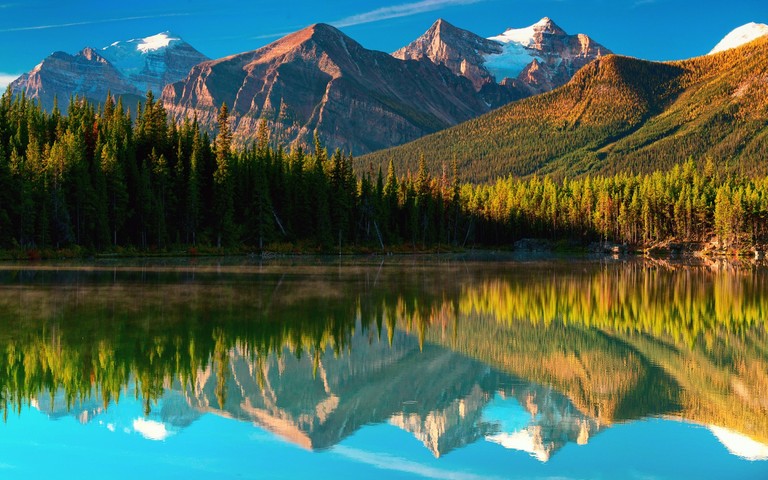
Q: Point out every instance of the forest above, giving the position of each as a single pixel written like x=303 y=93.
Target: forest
x=103 y=179
x=616 y=115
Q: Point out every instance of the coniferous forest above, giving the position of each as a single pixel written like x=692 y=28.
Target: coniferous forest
x=101 y=178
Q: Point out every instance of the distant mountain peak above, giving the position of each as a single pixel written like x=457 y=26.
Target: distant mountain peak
x=460 y=50
x=318 y=30
x=129 y=67
x=92 y=54
x=523 y=61
x=741 y=35
x=320 y=33
x=441 y=24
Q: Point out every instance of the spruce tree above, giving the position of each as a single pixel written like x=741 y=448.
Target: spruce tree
x=222 y=182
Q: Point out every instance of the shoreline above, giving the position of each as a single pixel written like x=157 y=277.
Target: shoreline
x=535 y=249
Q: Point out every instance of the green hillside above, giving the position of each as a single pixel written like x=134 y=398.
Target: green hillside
x=616 y=114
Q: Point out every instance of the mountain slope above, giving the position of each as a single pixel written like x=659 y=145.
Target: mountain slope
x=318 y=80
x=62 y=75
x=127 y=69
x=616 y=114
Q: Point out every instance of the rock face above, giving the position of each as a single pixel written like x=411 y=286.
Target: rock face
x=61 y=75
x=461 y=51
x=127 y=69
x=517 y=63
x=318 y=80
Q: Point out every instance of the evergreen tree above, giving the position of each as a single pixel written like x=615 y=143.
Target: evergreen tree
x=222 y=182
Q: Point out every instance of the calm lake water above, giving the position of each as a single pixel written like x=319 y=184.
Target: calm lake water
x=434 y=367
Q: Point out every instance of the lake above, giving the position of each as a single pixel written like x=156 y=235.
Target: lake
x=441 y=367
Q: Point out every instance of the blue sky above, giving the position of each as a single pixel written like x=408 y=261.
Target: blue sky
x=651 y=29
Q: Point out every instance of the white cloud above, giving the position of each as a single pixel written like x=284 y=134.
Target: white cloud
x=90 y=22
x=6 y=79
x=396 y=11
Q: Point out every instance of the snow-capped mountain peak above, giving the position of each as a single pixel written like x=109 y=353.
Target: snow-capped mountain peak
x=526 y=36
x=129 y=55
x=542 y=56
x=145 y=45
x=154 y=61
x=740 y=36
x=129 y=67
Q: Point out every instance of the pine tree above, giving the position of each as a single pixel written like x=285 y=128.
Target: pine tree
x=222 y=182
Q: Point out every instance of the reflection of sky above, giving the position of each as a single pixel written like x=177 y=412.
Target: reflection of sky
x=32 y=446
x=508 y=414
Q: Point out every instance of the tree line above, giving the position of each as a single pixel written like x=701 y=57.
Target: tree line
x=103 y=178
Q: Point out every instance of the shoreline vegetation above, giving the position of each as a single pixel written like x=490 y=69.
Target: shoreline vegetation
x=97 y=183
x=528 y=248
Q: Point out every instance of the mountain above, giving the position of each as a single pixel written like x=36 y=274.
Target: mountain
x=61 y=75
x=518 y=63
x=461 y=51
x=741 y=35
x=318 y=80
x=153 y=62
x=127 y=68
x=616 y=114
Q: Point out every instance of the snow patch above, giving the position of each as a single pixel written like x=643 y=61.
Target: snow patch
x=740 y=36
x=155 y=42
x=510 y=62
x=522 y=36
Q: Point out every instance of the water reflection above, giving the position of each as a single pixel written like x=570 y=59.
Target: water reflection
x=527 y=356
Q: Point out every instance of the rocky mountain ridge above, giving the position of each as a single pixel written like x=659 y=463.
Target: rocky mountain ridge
x=320 y=81
x=126 y=69
x=616 y=114
x=523 y=61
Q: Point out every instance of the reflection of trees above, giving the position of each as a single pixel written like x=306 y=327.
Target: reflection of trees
x=621 y=341
x=631 y=341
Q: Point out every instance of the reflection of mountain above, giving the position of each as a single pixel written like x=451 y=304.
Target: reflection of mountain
x=444 y=399
x=172 y=413
x=437 y=395
x=306 y=354
x=56 y=406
